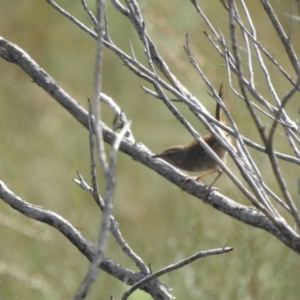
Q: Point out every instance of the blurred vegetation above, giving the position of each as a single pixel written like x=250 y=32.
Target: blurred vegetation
x=42 y=146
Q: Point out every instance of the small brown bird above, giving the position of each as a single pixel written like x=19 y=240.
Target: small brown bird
x=193 y=157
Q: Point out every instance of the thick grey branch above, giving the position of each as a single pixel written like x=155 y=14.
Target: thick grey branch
x=154 y=288
x=142 y=154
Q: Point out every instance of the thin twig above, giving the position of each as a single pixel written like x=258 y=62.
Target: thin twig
x=71 y=18
x=175 y=266
x=91 y=15
x=95 y=190
x=281 y=34
x=119 y=114
x=268 y=210
x=274 y=163
x=105 y=224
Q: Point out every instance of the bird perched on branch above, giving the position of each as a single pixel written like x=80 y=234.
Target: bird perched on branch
x=193 y=157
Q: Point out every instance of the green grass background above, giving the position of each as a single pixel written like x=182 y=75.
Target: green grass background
x=42 y=147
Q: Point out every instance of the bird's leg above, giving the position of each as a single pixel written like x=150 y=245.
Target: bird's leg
x=210 y=187
x=217 y=177
x=198 y=178
x=205 y=174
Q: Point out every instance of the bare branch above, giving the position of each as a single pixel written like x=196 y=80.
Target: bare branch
x=140 y=153
x=71 y=18
x=155 y=288
x=283 y=37
x=109 y=176
x=175 y=266
x=119 y=114
x=91 y=15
